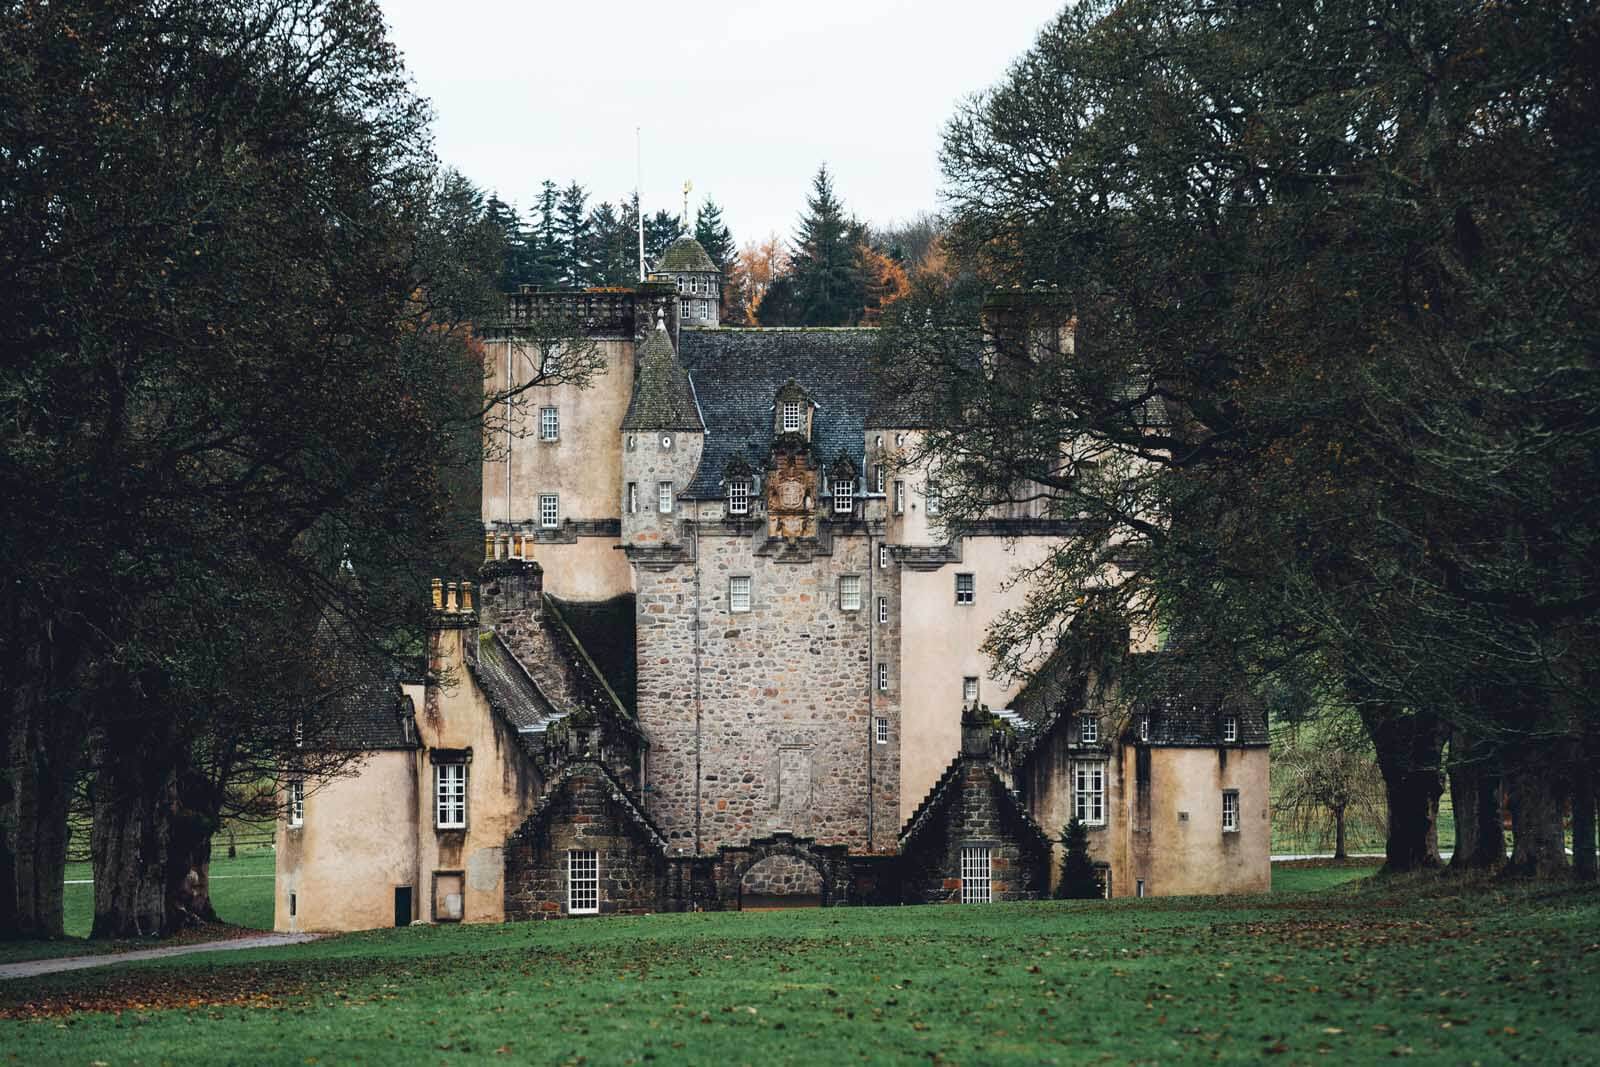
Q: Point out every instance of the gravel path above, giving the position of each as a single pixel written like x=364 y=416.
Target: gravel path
x=34 y=968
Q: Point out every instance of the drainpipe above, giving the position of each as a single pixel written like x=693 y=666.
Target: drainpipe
x=695 y=532
x=872 y=626
x=509 y=436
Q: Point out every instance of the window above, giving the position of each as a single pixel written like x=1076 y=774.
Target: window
x=1230 y=811
x=1139 y=888
x=683 y=308
x=666 y=442
x=844 y=496
x=883 y=677
x=1230 y=728
x=297 y=803
x=883 y=609
x=299 y=732
x=791 y=416
x=883 y=557
x=899 y=440
x=683 y=284
x=549 y=424
x=882 y=734
x=739 y=496
x=1089 y=792
x=1088 y=729
x=633 y=498
x=1144 y=727
x=292 y=903
x=739 y=593
x=664 y=498
x=933 y=499
x=969 y=691
x=583 y=881
x=899 y=498
x=975 y=874
x=877 y=478
x=850 y=592
x=966 y=588
x=450 y=795
x=549 y=511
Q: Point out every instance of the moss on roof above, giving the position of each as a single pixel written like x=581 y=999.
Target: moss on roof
x=685 y=254
x=662 y=397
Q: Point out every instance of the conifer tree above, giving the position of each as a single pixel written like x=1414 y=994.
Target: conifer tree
x=714 y=236
x=503 y=219
x=611 y=237
x=660 y=230
x=826 y=279
x=544 y=243
x=1078 y=880
x=575 y=254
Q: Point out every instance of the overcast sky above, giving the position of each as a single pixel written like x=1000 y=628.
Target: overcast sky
x=744 y=99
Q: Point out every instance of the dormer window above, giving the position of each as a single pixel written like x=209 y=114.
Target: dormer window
x=791 y=416
x=739 y=496
x=1230 y=728
x=844 y=496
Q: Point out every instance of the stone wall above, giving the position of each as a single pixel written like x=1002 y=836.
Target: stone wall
x=782 y=876
x=767 y=725
x=977 y=814
x=581 y=814
x=648 y=461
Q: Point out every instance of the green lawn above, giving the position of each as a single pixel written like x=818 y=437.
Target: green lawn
x=1328 y=968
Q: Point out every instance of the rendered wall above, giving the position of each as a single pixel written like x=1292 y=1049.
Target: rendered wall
x=1194 y=855
x=357 y=844
x=939 y=646
x=501 y=785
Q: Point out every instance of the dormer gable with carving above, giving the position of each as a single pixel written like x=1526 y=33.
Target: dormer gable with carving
x=793 y=412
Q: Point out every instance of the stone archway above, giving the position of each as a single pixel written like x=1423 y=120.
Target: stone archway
x=780 y=881
x=830 y=864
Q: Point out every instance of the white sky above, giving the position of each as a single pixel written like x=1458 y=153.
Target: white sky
x=745 y=98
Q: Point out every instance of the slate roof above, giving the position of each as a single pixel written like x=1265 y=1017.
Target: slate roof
x=737 y=373
x=662 y=398
x=1186 y=695
x=685 y=254
x=605 y=629
x=509 y=688
x=358 y=704
x=903 y=395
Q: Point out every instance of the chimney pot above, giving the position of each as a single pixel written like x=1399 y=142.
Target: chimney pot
x=466 y=596
x=438 y=595
x=450 y=598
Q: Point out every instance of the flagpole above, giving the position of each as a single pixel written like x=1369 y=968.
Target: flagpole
x=638 y=194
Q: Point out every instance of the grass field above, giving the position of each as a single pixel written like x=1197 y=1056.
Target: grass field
x=1324 y=969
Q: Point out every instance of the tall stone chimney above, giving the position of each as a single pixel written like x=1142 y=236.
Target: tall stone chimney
x=511 y=598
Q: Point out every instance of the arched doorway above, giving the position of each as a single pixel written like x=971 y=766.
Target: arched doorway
x=780 y=881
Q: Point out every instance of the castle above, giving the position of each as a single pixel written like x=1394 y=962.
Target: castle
x=723 y=650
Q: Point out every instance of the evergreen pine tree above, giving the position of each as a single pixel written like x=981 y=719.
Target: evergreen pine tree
x=826 y=279
x=778 y=306
x=1078 y=880
x=544 y=244
x=503 y=219
x=612 y=238
x=660 y=230
x=575 y=257
x=714 y=237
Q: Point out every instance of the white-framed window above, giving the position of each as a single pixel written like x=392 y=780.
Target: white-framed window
x=883 y=677
x=850 y=592
x=299 y=732
x=969 y=691
x=664 y=498
x=1089 y=792
x=683 y=284
x=1144 y=727
x=549 y=424
x=1089 y=729
x=450 y=796
x=549 y=511
x=976 y=875
x=883 y=557
x=1230 y=728
x=877 y=478
x=966 y=589
x=899 y=497
x=739 y=496
x=881 y=735
x=883 y=609
x=666 y=442
x=934 y=502
x=739 y=593
x=791 y=416
x=633 y=498
x=684 y=307
x=583 y=881
x=297 y=803
x=1230 y=811
x=899 y=440
x=844 y=496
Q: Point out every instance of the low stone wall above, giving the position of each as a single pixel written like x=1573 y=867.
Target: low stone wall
x=782 y=876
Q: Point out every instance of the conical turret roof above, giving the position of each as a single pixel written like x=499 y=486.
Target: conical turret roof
x=685 y=254
x=662 y=399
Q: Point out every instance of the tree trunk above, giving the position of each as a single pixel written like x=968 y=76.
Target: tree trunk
x=1537 y=778
x=189 y=856
x=42 y=747
x=1583 y=820
x=1408 y=747
x=1338 y=834
x=135 y=792
x=1475 y=796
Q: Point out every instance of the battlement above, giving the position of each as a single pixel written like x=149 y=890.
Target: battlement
x=612 y=313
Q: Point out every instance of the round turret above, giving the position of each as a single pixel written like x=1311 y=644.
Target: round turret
x=686 y=265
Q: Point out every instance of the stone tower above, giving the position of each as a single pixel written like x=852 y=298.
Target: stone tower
x=686 y=265
x=662 y=438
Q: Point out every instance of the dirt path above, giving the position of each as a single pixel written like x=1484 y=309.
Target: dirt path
x=34 y=968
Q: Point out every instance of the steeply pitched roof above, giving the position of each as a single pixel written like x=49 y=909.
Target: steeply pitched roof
x=605 y=630
x=357 y=706
x=662 y=396
x=510 y=690
x=737 y=373
x=1186 y=695
x=685 y=254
